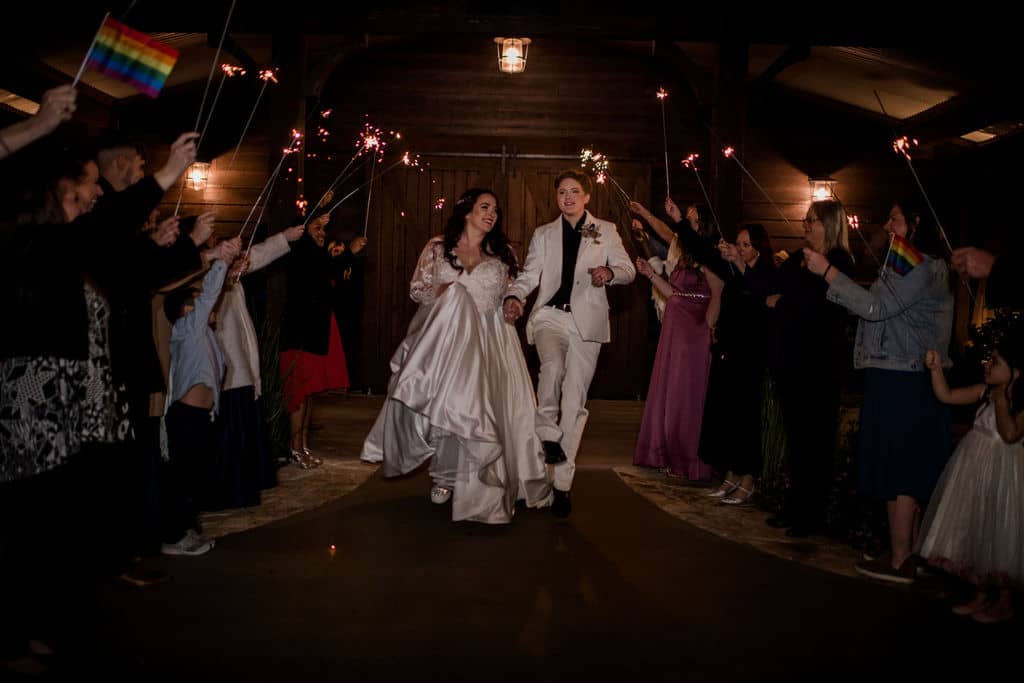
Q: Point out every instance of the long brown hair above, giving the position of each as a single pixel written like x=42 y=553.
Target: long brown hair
x=495 y=242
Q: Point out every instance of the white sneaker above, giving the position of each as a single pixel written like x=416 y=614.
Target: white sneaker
x=199 y=538
x=440 y=494
x=190 y=544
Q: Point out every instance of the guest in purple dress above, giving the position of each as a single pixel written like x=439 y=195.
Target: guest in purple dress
x=670 y=431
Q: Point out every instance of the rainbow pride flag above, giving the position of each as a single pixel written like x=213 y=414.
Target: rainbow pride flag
x=903 y=257
x=132 y=57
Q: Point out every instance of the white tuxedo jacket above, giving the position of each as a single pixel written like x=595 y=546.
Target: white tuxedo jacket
x=543 y=267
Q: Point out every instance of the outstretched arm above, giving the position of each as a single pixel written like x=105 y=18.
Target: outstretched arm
x=57 y=106
x=957 y=397
x=882 y=303
x=659 y=226
x=274 y=247
x=657 y=281
x=529 y=275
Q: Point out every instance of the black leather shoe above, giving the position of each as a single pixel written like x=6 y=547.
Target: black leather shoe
x=778 y=522
x=561 y=506
x=553 y=453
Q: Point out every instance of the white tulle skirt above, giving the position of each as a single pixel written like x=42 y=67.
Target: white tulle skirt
x=460 y=374
x=974 y=525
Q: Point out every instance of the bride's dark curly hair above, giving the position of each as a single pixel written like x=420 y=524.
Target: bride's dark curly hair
x=495 y=242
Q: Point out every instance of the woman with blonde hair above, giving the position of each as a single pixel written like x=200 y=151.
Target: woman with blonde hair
x=809 y=358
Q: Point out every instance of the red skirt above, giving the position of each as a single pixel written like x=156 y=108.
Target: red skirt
x=305 y=374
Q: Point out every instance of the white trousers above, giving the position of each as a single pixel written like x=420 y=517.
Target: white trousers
x=567 y=364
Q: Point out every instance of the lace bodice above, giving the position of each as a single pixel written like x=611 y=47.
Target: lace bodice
x=486 y=283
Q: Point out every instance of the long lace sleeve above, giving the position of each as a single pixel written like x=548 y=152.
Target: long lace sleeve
x=425 y=285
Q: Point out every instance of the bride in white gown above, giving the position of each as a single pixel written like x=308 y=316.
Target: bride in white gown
x=460 y=391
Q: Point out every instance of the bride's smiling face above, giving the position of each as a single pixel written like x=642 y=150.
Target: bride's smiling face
x=484 y=214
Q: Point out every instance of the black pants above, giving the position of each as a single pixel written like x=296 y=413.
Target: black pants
x=44 y=541
x=810 y=411
x=139 y=474
x=190 y=445
x=730 y=435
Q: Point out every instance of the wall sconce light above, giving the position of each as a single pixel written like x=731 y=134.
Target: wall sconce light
x=198 y=175
x=822 y=189
x=512 y=54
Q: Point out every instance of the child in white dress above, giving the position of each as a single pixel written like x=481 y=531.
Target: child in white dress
x=974 y=525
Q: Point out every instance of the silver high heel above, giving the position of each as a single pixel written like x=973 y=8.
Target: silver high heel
x=303 y=460
x=725 y=489
x=309 y=454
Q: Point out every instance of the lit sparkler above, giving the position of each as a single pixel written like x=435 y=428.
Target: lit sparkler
x=267 y=76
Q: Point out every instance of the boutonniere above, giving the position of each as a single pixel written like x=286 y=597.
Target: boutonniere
x=591 y=231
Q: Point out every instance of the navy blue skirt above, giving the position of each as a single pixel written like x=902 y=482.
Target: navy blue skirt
x=243 y=466
x=904 y=435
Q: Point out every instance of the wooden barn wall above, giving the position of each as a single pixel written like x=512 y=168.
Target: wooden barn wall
x=448 y=99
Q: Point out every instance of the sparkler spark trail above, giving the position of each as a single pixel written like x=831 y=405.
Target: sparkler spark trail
x=227 y=71
x=408 y=159
x=267 y=76
x=371 y=142
x=690 y=162
x=206 y=90
x=664 y=138
x=597 y=163
x=295 y=142
x=903 y=145
x=730 y=153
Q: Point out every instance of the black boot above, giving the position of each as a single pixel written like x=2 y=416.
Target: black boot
x=561 y=506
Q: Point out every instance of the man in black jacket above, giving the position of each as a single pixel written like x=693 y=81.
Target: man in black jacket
x=146 y=262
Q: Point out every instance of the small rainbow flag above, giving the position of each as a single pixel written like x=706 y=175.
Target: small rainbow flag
x=132 y=57
x=903 y=257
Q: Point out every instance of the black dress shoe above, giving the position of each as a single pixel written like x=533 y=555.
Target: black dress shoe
x=553 y=453
x=561 y=506
x=778 y=522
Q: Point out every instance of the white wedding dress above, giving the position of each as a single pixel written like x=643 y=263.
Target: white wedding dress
x=459 y=380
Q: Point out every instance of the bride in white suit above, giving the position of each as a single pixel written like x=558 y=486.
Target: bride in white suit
x=572 y=259
x=460 y=392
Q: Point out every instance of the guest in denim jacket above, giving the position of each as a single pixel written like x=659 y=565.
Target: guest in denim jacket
x=904 y=430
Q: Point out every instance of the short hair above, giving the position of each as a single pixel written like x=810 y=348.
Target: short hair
x=580 y=177
x=175 y=302
x=111 y=139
